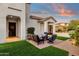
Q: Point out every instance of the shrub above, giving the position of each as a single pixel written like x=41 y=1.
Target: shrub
x=30 y=30
x=77 y=35
x=73 y=24
x=62 y=38
x=72 y=34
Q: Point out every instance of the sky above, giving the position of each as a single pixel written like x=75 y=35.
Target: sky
x=62 y=12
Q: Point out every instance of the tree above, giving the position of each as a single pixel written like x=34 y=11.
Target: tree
x=74 y=34
x=74 y=31
x=73 y=24
x=77 y=35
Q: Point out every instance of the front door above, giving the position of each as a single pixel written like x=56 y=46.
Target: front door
x=12 y=29
x=50 y=28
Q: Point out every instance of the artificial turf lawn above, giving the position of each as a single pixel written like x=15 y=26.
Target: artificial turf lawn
x=62 y=38
x=23 y=48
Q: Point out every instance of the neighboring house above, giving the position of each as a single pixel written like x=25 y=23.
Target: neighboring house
x=62 y=27
x=13 y=20
x=42 y=24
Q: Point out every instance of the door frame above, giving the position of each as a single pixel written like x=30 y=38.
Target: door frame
x=50 y=29
x=12 y=21
x=17 y=20
x=9 y=29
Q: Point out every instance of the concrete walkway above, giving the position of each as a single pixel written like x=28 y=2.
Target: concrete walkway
x=67 y=45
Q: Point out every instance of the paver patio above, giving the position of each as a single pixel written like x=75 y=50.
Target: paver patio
x=65 y=45
x=40 y=46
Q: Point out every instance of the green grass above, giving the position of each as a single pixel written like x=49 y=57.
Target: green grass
x=62 y=38
x=23 y=48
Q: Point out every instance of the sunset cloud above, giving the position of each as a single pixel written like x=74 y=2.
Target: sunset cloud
x=62 y=10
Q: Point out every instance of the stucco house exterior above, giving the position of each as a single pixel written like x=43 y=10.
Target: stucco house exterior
x=13 y=18
x=42 y=24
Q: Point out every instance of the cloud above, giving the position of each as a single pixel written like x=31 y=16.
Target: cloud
x=62 y=10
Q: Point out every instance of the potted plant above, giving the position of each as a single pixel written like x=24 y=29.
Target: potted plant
x=30 y=32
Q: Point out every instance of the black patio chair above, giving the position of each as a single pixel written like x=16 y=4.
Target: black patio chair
x=46 y=36
x=51 y=39
x=39 y=40
x=54 y=37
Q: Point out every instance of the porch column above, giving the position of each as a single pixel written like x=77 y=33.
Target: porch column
x=54 y=28
x=23 y=23
x=45 y=26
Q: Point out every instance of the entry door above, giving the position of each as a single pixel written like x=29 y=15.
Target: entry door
x=12 y=29
x=50 y=28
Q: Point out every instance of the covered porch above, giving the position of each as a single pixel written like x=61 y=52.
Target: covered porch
x=47 y=25
x=12 y=28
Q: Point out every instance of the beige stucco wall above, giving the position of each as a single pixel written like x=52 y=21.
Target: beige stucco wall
x=35 y=24
x=4 y=11
x=40 y=28
x=46 y=25
x=2 y=22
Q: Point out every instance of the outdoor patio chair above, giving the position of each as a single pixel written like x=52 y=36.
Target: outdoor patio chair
x=51 y=39
x=45 y=36
x=39 y=40
x=54 y=37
